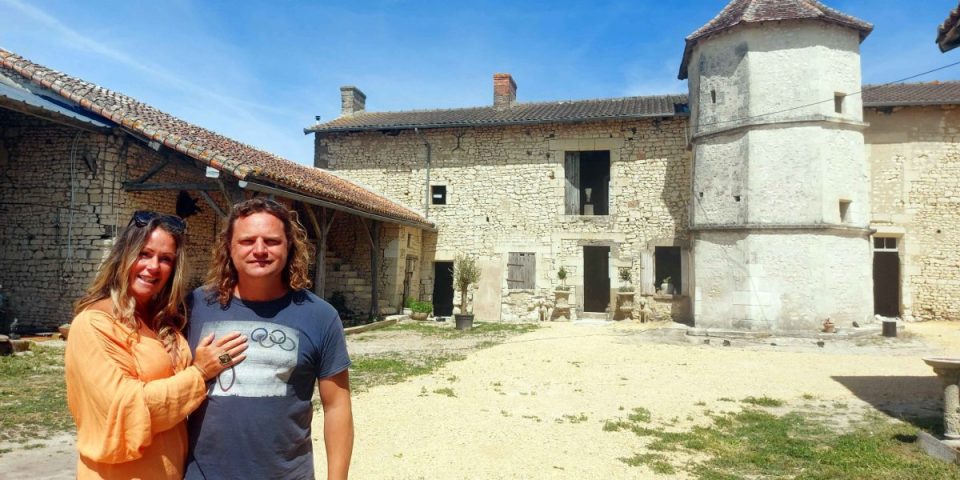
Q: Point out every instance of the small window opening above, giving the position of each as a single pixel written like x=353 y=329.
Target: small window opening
x=409 y=240
x=885 y=244
x=838 y=102
x=587 y=182
x=667 y=269
x=844 y=211
x=713 y=96
x=438 y=194
x=736 y=197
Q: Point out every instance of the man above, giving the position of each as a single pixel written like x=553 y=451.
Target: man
x=255 y=422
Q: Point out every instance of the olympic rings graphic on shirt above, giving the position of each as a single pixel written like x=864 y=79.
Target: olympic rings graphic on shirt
x=233 y=379
x=275 y=337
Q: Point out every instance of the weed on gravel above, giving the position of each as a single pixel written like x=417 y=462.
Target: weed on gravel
x=33 y=397
x=755 y=443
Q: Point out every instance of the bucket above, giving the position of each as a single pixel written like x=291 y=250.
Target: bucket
x=889 y=328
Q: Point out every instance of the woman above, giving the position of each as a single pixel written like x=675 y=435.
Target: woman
x=130 y=379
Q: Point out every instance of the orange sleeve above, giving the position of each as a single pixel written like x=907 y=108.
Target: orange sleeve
x=116 y=412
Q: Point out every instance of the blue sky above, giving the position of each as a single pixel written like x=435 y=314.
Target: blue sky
x=260 y=71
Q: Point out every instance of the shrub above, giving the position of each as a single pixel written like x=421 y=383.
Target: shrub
x=421 y=307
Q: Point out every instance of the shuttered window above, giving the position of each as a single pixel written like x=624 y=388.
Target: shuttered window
x=521 y=270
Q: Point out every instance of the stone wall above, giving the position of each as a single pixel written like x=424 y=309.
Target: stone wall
x=62 y=202
x=915 y=160
x=505 y=193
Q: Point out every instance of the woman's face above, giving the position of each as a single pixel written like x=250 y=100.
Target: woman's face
x=153 y=266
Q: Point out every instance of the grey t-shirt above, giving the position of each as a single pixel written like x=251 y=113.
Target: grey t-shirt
x=255 y=422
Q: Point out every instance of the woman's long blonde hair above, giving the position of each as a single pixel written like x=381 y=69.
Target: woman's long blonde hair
x=222 y=277
x=113 y=282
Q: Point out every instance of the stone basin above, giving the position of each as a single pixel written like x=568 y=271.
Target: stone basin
x=946 y=363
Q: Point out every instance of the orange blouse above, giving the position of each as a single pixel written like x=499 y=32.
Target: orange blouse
x=129 y=401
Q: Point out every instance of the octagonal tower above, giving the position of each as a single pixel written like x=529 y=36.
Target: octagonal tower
x=781 y=206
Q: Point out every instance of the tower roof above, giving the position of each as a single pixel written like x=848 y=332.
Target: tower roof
x=755 y=11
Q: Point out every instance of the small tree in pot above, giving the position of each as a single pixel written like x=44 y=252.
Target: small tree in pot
x=465 y=273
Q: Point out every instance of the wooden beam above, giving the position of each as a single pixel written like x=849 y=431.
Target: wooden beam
x=320 y=261
x=153 y=171
x=149 y=187
x=216 y=208
x=374 y=257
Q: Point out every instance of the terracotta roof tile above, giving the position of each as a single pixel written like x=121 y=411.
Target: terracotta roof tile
x=912 y=94
x=517 y=114
x=218 y=151
x=754 y=11
x=948 y=36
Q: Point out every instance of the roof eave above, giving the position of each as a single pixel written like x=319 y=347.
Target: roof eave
x=411 y=126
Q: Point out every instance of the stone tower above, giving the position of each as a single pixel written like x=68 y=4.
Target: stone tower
x=780 y=209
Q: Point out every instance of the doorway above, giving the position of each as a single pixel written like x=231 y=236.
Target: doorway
x=886 y=277
x=596 y=279
x=443 y=289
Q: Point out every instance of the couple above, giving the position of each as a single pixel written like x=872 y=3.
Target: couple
x=257 y=342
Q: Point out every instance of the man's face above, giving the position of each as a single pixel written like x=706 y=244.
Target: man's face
x=259 y=247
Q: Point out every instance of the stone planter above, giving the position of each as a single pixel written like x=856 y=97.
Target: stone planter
x=625 y=304
x=419 y=315
x=64 y=330
x=561 y=298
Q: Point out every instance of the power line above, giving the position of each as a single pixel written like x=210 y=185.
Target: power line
x=860 y=92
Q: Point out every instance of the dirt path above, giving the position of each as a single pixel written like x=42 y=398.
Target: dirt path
x=534 y=406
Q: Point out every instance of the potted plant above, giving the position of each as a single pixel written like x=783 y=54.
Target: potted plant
x=625 y=292
x=465 y=273
x=562 y=292
x=666 y=287
x=420 y=310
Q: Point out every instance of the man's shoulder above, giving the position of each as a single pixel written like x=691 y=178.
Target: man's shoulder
x=318 y=306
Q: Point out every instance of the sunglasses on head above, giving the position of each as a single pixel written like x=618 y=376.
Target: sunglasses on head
x=142 y=218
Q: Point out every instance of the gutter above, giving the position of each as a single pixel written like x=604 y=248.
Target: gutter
x=426 y=203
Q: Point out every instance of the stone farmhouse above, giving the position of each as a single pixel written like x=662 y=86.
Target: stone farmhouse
x=779 y=191
x=77 y=159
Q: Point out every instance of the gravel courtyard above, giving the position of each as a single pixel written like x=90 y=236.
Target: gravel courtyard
x=533 y=407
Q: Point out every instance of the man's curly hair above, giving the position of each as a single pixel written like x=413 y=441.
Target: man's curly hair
x=222 y=277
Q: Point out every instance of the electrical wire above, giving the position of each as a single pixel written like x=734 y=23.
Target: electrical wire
x=696 y=127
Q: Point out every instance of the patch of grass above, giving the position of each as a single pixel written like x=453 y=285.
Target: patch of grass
x=763 y=401
x=532 y=417
x=656 y=462
x=33 y=397
x=479 y=329
x=445 y=391
x=388 y=369
x=505 y=413
x=701 y=404
x=453 y=378
x=575 y=418
x=754 y=443
x=640 y=414
x=807 y=396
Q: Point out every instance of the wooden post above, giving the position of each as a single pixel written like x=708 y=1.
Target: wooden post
x=321 y=229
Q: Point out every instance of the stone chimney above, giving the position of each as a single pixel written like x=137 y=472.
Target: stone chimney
x=352 y=100
x=504 y=91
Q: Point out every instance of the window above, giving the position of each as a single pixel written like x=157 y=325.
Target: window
x=587 y=181
x=521 y=270
x=667 y=266
x=884 y=244
x=713 y=96
x=844 y=211
x=838 y=102
x=438 y=194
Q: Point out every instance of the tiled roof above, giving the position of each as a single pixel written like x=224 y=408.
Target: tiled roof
x=948 y=36
x=517 y=114
x=754 y=11
x=210 y=148
x=906 y=94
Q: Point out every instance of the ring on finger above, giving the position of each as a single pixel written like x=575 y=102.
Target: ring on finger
x=225 y=359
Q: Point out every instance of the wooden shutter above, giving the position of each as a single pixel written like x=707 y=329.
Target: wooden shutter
x=521 y=270
x=571 y=173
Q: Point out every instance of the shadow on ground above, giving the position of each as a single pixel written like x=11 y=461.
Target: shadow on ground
x=914 y=399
